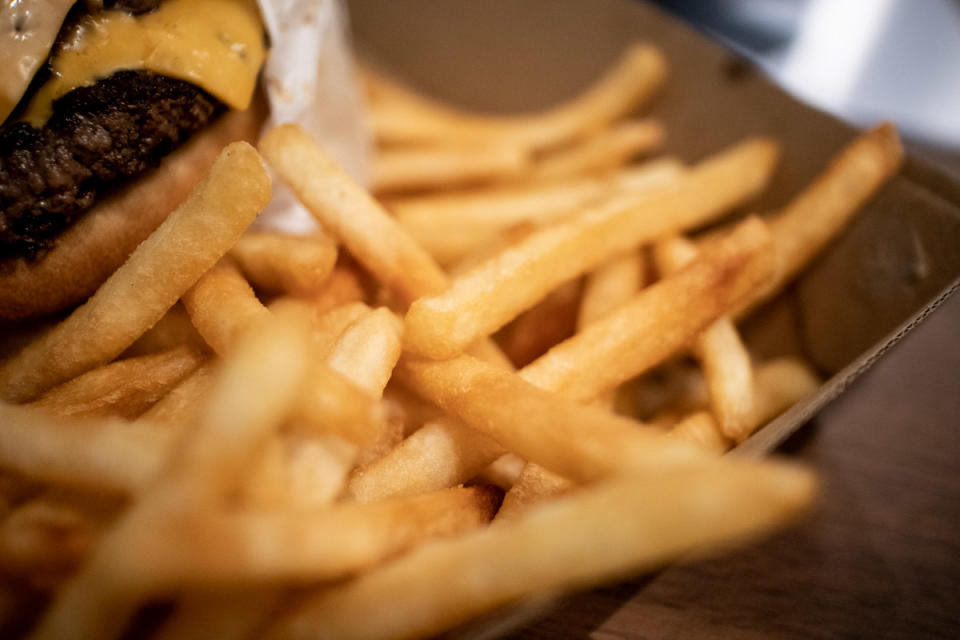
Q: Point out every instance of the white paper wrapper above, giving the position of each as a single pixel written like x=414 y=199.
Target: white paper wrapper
x=309 y=80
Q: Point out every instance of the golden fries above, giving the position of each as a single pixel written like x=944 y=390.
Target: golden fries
x=125 y=388
x=481 y=301
x=348 y=212
x=597 y=534
x=188 y=243
x=286 y=264
x=304 y=476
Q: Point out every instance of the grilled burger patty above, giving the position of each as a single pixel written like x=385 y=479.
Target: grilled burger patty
x=98 y=135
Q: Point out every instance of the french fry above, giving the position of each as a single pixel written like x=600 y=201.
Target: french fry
x=605 y=532
x=701 y=429
x=778 y=385
x=627 y=85
x=410 y=169
x=602 y=356
x=124 y=388
x=367 y=350
x=342 y=287
x=534 y=485
x=326 y=328
x=182 y=404
x=332 y=542
x=545 y=324
x=483 y=300
x=442 y=453
x=725 y=360
x=610 y=285
x=659 y=320
x=222 y=306
x=604 y=151
x=299 y=472
x=252 y=395
x=347 y=211
x=450 y=226
x=134 y=298
x=578 y=442
x=172 y=330
x=280 y=263
x=824 y=208
x=98 y=455
x=44 y=538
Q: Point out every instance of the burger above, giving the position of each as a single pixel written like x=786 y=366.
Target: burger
x=112 y=111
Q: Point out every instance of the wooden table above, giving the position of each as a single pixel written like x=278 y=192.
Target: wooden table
x=880 y=558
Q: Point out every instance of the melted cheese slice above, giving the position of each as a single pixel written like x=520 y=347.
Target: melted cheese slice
x=214 y=44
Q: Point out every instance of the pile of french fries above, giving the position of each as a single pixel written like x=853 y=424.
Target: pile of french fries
x=506 y=371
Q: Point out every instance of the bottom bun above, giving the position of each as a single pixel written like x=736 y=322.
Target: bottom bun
x=89 y=251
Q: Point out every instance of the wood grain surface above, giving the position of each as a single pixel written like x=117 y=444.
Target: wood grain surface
x=879 y=559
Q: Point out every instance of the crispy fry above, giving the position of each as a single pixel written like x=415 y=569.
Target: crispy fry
x=627 y=85
x=822 y=209
x=342 y=287
x=134 y=298
x=620 y=527
x=483 y=300
x=450 y=226
x=725 y=360
x=280 y=263
x=124 y=388
x=534 y=485
x=347 y=211
x=604 y=151
x=578 y=442
x=222 y=306
x=659 y=320
x=253 y=394
x=545 y=324
x=701 y=429
x=409 y=169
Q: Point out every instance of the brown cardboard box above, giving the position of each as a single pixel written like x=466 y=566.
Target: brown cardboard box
x=892 y=267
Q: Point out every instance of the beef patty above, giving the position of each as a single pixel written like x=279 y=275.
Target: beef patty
x=97 y=136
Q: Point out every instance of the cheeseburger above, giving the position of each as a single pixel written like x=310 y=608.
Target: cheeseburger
x=112 y=111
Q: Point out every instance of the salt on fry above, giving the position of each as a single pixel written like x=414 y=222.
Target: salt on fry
x=222 y=306
x=186 y=245
x=484 y=299
x=124 y=388
x=600 y=533
x=604 y=151
x=281 y=263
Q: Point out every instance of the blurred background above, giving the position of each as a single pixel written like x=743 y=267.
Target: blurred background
x=862 y=60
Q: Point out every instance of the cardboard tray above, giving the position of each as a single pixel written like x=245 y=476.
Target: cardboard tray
x=894 y=265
